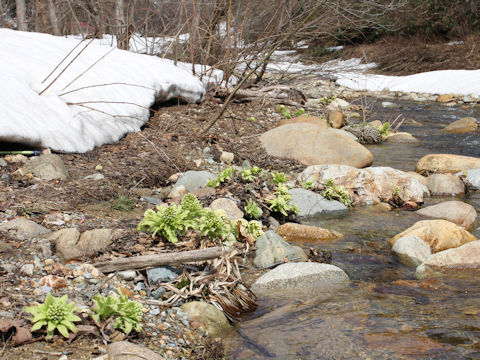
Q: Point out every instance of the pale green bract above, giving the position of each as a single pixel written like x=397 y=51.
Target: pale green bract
x=168 y=222
x=127 y=313
x=214 y=225
x=56 y=314
x=252 y=209
x=336 y=192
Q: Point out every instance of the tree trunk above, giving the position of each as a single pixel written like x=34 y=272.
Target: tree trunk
x=52 y=14
x=121 y=25
x=21 y=15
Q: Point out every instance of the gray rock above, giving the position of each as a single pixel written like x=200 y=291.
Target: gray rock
x=301 y=276
x=194 y=180
x=229 y=206
x=128 y=275
x=46 y=289
x=23 y=228
x=158 y=293
x=411 y=250
x=272 y=248
x=3 y=163
x=47 y=167
x=124 y=350
x=160 y=274
x=310 y=203
x=152 y=200
x=215 y=321
x=472 y=178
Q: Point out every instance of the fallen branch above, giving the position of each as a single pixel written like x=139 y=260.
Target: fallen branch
x=279 y=92
x=144 y=261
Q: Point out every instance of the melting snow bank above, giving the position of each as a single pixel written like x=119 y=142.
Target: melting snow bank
x=465 y=82
x=101 y=96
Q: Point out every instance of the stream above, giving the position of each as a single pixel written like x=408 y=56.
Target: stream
x=384 y=313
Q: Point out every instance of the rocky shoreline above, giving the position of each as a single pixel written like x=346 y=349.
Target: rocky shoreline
x=49 y=239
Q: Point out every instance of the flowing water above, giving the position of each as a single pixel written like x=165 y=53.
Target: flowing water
x=384 y=313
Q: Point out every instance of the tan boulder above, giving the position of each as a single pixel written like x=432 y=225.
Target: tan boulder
x=292 y=232
x=462 y=126
x=445 y=184
x=305 y=119
x=402 y=138
x=438 y=234
x=458 y=261
x=445 y=98
x=313 y=145
x=336 y=119
x=458 y=212
x=446 y=163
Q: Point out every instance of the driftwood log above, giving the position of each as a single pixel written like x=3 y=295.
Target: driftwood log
x=145 y=261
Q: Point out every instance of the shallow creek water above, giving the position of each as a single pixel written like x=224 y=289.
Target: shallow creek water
x=384 y=313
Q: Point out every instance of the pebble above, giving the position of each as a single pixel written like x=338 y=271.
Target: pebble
x=139 y=286
x=45 y=289
x=158 y=293
x=155 y=311
x=128 y=275
x=96 y=176
x=160 y=274
x=2 y=163
x=27 y=269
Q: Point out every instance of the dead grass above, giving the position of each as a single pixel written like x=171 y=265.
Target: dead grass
x=407 y=56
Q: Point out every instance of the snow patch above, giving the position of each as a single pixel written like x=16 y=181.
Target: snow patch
x=102 y=95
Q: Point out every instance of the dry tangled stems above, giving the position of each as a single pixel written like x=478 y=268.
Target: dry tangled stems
x=220 y=284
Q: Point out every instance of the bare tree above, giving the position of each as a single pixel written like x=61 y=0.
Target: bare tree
x=21 y=15
x=52 y=14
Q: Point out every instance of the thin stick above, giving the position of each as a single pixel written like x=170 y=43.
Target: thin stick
x=60 y=63
x=66 y=67
x=87 y=69
x=108 y=84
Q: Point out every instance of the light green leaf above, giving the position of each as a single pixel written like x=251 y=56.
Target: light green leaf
x=62 y=330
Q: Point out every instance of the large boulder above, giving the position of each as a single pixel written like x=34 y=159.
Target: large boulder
x=471 y=178
x=411 y=250
x=458 y=212
x=292 y=232
x=462 y=126
x=301 y=276
x=304 y=119
x=272 y=249
x=445 y=184
x=454 y=261
x=47 y=167
x=23 y=228
x=446 y=163
x=311 y=204
x=368 y=186
x=438 y=234
x=311 y=145
x=214 y=320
